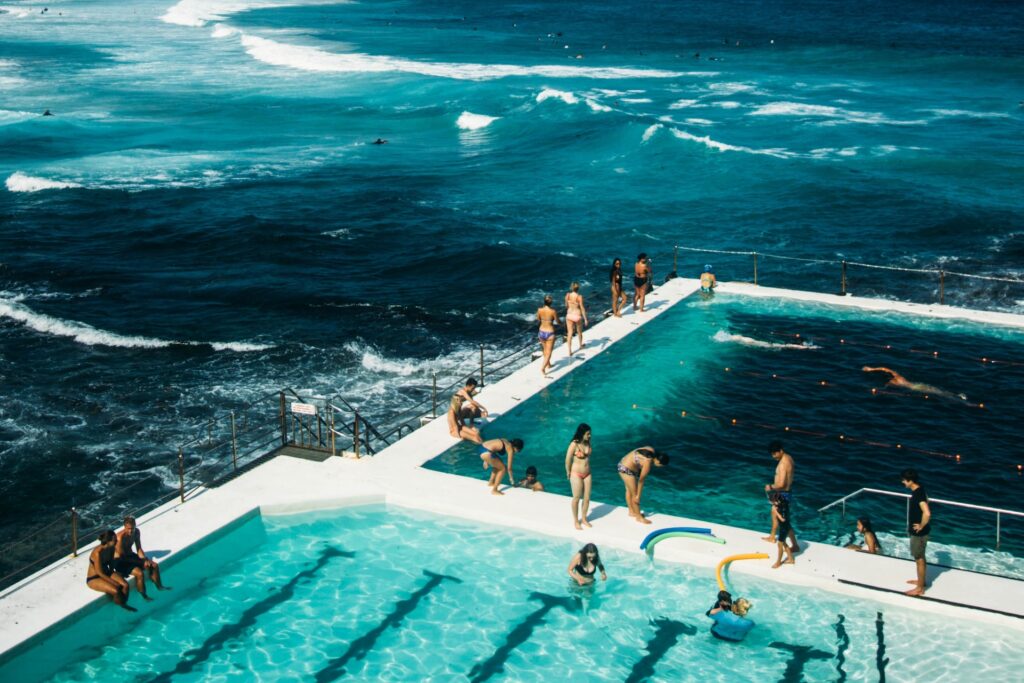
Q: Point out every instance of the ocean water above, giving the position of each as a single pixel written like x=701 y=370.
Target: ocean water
x=367 y=595
x=204 y=219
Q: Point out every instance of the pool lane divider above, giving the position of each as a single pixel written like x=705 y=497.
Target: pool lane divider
x=732 y=558
x=699 y=533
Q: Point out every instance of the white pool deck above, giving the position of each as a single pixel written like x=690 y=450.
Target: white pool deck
x=394 y=476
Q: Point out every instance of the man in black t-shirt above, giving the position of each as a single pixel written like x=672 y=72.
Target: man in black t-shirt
x=918 y=526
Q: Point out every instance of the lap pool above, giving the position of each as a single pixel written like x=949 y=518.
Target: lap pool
x=793 y=371
x=385 y=593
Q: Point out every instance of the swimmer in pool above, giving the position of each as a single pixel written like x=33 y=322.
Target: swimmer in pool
x=490 y=454
x=898 y=380
x=871 y=544
x=548 y=319
x=585 y=564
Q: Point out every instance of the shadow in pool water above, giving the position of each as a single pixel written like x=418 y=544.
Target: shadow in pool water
x=229 y=632
x=799 y=656
x=666 y=635
x=362 y=645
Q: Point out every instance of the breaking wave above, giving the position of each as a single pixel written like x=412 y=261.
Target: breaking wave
x=19 y=182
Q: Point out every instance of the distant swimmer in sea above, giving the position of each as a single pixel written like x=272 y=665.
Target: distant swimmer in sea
x=707 y=279
x=898 y=380
x=47 y=113
x=723 y=336
x=380 y=141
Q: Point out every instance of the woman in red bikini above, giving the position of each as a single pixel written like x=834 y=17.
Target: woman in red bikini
x=575 y=315
x=577 y=470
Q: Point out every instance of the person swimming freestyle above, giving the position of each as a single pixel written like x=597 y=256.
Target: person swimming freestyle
x=898 y=380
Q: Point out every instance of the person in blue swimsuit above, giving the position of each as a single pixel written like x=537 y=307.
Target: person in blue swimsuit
x=490 y=454
x=633 y=470
x=548 y=319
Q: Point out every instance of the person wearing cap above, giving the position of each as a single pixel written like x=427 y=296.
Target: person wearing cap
x=707 y=279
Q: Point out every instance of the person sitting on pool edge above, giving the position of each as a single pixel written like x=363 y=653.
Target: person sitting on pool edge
x=101 y=575
x=707 y=279
x=871 y=544
x=130 y=559
x=490 y=455
x=530 y=480
x=456 y=422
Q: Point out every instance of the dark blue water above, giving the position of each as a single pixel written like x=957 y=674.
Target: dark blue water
x=203 y=220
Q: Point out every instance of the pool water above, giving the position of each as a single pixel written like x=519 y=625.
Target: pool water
x=390 y=594
x=727 y=359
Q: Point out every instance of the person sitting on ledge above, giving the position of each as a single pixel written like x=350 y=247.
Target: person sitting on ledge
x=130 y=559
x=530 y=480
x=462 y=399
x=101 y=575
x=871 y=544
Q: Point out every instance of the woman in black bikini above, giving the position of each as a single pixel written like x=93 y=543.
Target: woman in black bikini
x=577 y=470
x=633 y=469
x=101 y=577
x=618 y=295
x=548 y=318
x=585 y=564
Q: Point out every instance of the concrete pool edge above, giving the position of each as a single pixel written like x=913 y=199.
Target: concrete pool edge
x=34 y=607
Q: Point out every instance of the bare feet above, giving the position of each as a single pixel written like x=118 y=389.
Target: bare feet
x=769 y=539
x=129 y=608
x=643 y=520
x=585 y=522
x=496 y=492
x=147 y=598
x=794 y=549
x=776 y=565
x=164 y=588
x=915 y=592
x=578 y=527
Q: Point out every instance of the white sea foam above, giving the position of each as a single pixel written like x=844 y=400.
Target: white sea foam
x=683 y=104
x=309 y=58
x=200 y=12
x=728 y=104
x=19 y=182
x=8 y=116
x=549 y=93
x=733 y=88
x=223 y=31
x=637 y=100
x=725 y=337
x=725 y=147
x=651 y=130
x=12 y=308
x=965 y=113
x=597 y=106
x=16 y=12
x=700 y=122
x=470 y=121
x=833 y=114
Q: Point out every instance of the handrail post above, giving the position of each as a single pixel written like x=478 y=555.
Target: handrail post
x=234 y=443
x=844 y=509
x=675 y=259
x=284 y=422
x=181 y=474
x=942 y=286
x=355 y=435
x=481 y=365
x=74 y=532
x=998 y=515
x=435 y=395
x=330 y=410
x=319 y=432
x=755 y=267
x=842 y=291
x=908 y=516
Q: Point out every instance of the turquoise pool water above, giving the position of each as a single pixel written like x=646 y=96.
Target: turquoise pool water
x=727 y=359
x=389 y=594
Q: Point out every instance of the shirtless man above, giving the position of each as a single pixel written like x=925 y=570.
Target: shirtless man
x=781 y=487
x=461 y=400
x=898 y=380
x=641 y=281
x=131 y=561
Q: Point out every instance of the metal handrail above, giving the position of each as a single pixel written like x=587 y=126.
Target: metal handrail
x=953 y=503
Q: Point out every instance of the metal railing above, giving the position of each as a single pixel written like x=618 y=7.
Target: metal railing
x=935 y=278
x=999 y=512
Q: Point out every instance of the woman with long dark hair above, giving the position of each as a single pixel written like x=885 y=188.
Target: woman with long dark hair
x=585 y=564
x=618 y=295
x=577 y=469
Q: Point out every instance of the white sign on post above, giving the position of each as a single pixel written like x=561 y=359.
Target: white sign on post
x=303 y=408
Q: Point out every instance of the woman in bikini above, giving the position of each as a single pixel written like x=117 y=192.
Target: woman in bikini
x=585 y=564
x=490 y=453
x=575 y=315
x=633 y=469
x=577 y=470
x=101 y=576
x=461 y=401
x=618 y=295
x=548 y=318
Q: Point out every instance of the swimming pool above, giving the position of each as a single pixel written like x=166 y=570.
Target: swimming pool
x=385 y=593
x=740 y=358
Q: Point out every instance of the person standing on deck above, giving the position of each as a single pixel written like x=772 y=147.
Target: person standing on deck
x=548 y=319
x=633 y=470
x=618 y=294
x=919 y=525
x=641 y=281
x=781 y=486
x=490 y=454
x=575 y=315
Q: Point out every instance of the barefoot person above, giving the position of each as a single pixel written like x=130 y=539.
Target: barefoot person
x=871 y=544
x=707 y=280
x=548 y=319
x=460 y=401
x=633 y=470
x=575 y=315
x=618 y=294
x=641 y=281
x=780 y=515
x=490 y=453
x=577 y=470
x=101 y=575
x=130 y=558
x=919 y=526
x=782 y=485
x=898 y=380
x=585 y=564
